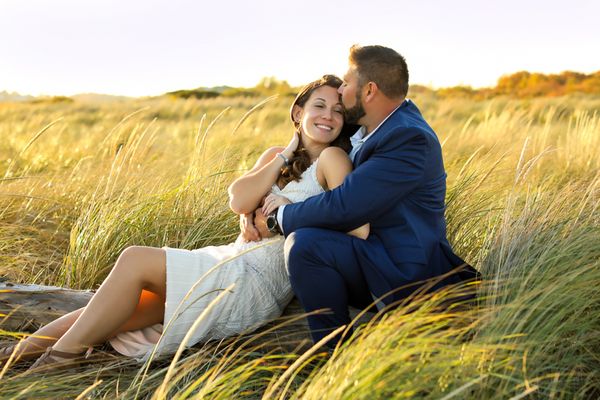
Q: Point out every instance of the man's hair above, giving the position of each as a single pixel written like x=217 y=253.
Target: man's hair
x=381 y=65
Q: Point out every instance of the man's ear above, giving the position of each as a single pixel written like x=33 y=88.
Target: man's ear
x=297 y=113
x=369 y=91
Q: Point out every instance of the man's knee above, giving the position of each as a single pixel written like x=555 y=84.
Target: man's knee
x=299 y=247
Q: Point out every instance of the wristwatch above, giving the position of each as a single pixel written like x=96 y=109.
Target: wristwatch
x=272 y=224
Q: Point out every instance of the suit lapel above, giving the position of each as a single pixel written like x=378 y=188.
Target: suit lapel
x=369 y=145
x=362 y=154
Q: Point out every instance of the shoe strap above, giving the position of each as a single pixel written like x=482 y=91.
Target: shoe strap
x=62 y=354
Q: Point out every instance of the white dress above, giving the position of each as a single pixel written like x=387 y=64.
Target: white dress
x=260 y=292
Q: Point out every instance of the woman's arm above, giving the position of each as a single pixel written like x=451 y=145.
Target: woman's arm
x=334 y=165
x=247 y=191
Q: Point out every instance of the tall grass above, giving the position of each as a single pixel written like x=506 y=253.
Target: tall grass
x=79 y=182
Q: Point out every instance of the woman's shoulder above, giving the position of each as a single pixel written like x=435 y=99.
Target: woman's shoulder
x=333 y=154
x=333 y=161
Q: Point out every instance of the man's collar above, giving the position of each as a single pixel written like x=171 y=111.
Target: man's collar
x=359 y=136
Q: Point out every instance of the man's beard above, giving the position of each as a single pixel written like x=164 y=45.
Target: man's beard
x=353 y=114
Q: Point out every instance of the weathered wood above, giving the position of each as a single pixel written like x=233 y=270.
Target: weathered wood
x=28 y=307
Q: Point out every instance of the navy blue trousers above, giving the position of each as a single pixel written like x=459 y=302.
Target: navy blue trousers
x=325 y=274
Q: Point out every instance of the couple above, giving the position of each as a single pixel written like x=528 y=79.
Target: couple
x=352 y=236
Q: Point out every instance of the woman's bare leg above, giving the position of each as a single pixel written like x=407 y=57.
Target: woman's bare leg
x=149 y=311
x=36 y=344
x=116 y=301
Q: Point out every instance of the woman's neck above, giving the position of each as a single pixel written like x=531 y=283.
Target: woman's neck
x=314 y=150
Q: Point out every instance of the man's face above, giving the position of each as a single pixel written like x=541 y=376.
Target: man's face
x=350 y=92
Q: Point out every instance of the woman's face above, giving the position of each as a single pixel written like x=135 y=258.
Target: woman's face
x=322 y=117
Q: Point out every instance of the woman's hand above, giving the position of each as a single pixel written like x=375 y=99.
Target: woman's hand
x=272 y=202
x=247 y=228
x=292 y=146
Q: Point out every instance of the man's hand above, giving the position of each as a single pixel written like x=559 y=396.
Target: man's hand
x=247 y=228
x=260 y=222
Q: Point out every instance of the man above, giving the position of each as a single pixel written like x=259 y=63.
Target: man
x=398 y=186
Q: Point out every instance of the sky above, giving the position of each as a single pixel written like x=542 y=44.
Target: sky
x=137 y=48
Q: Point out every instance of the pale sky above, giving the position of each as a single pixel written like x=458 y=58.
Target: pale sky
x=149 y=47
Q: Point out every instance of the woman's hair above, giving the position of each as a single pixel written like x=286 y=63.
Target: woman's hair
x=300 y=161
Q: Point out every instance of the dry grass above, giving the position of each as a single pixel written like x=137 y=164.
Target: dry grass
x=79 y=182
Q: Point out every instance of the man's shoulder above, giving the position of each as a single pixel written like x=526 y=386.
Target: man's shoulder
x=409 y=120
x=408 y=116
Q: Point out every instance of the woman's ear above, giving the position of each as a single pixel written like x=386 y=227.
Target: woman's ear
x=297 y=113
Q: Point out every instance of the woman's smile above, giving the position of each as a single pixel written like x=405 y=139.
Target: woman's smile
x=324 y=127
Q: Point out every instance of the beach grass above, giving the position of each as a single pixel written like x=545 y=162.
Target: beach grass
x=80 y=181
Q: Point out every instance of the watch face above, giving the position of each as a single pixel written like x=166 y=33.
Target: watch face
x=271 y=222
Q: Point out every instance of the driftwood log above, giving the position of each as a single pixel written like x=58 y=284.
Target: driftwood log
x=25 y=308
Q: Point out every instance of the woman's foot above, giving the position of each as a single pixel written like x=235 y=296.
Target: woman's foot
x=19 y=351
x=54 y=359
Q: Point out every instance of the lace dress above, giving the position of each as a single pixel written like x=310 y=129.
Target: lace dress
x=260 y=291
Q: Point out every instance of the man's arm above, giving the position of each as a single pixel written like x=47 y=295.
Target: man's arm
x=335 y=166
x=394 y=169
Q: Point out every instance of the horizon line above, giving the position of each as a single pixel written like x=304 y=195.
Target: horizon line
x=428 y=86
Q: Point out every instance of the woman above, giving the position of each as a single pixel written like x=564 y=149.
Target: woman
x=149 y=286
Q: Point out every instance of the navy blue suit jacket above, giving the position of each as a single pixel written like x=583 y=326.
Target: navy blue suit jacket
x=399 y=187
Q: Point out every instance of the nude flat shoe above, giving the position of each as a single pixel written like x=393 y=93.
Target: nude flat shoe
x=54 y=359
x=17 y=353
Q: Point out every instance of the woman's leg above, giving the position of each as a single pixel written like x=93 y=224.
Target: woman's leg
x=149 y=311
x=118 y=304
x=46 y=336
